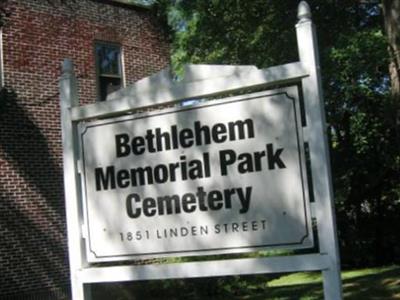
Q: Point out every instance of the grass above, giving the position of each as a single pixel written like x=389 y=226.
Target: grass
x=373 y=283
x=362 y=284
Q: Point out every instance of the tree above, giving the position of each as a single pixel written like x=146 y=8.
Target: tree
x=391 y=14
x=359 y=98
x=230 y=32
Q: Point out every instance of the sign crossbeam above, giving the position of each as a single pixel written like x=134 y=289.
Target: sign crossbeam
x=244 y=266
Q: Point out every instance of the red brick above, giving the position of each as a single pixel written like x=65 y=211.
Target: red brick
x=37 y=36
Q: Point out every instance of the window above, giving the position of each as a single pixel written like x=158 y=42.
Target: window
x=1 y=59
x=109 y=69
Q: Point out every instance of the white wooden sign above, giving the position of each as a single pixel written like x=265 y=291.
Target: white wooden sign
x=226 y=176
x=223 y=177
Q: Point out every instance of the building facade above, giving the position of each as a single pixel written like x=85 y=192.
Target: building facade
x=112 y=45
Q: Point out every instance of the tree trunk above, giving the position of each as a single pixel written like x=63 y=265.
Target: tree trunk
x=391 y=14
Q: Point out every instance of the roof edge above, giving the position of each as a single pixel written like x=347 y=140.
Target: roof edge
x=126 y=4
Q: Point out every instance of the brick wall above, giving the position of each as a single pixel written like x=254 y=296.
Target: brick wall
x=37 y=36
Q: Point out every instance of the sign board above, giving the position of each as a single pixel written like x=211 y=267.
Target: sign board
x=225 y=176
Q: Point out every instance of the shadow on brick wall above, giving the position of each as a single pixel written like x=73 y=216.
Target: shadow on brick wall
x=33 y=250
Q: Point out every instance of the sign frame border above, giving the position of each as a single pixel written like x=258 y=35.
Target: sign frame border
x=290 y=92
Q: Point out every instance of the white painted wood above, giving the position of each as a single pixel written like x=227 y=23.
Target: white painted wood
x=153 y=92
x=202 y=72
x=203 y=81
x=266 y=110
x=68 y=98
x=244 y=266
x=319 y=152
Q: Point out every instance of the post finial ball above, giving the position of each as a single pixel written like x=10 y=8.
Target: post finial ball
x=303 y=11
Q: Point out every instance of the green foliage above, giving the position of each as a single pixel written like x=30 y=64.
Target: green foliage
x=365 y=150
x=360 y=111
x=230 y=31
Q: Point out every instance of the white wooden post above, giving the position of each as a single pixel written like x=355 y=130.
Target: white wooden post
x=319 y=152
x=68 y=99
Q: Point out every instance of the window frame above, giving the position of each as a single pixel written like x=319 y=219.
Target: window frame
x=1 y=59
x=99 y=75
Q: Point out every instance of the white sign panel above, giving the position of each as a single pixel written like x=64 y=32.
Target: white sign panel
x=222 y=177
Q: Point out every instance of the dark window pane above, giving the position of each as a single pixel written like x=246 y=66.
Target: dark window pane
x=108 y=85
x=108 y=59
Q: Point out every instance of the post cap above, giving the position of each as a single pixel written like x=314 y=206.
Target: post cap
x=67 y=66
x=303 y=12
